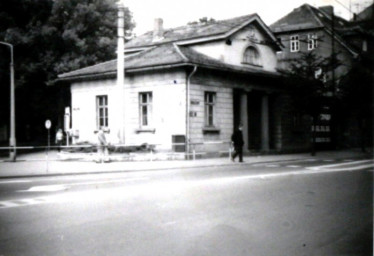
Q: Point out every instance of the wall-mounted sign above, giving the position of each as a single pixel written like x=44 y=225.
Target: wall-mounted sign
x=195 y=102
x=193 y=113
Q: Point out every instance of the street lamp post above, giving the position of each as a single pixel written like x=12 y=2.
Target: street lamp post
x=12 y=139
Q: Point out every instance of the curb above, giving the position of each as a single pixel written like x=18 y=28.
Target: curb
x=139 y=170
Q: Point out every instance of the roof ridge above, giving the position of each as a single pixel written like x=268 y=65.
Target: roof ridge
x=239 y=17
x=180 y=52
x=204 y=24
x=309 y=7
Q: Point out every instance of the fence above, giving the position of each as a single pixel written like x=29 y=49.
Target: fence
x=150 y=150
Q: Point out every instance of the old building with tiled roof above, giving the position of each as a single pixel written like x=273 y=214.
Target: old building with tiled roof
x=308 y=29
x=192 y=84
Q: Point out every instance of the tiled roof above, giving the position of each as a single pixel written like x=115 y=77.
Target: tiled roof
x=166 y=55
x=164 y=52
x=193 y=31
x=306 y=17
x=102 y=69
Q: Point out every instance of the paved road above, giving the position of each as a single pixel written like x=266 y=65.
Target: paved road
x=287 y=208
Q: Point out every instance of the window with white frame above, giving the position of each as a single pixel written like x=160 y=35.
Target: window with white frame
x=312 y=41
x=145 y=109
x=294 y=43
x=252 y=56
x=210 y=103
x=101 y=111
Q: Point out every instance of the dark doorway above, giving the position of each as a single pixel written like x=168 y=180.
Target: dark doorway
x=237 y=112
x=254 y=120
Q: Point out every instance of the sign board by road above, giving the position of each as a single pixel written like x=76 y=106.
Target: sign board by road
x=48 y=124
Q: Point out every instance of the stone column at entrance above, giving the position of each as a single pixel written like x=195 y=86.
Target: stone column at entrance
x=244 y=118
x=265 y=123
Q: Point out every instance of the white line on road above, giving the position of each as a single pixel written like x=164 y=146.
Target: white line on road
x=309 y=171
x=61 y=187
x=286 y=161
x=47 y=188
x=8 y=204
x=105 y=181
x=339 y=164
x=23 y=202
x=352 y=168
x=14 y=181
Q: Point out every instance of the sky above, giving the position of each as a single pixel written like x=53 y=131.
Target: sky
x=178 y=13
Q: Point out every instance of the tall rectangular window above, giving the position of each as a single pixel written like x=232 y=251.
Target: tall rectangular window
x=145 y=108
x=210 y=102
x=312 y=41
x=294 y=44
x=102 y=111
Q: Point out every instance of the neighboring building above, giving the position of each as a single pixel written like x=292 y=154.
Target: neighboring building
x=306 y=29
x=360 y=31
x=194 y=83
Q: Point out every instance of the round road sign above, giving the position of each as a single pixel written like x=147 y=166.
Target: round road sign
x=48 y=124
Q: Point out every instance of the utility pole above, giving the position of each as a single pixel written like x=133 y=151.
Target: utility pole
x=121 y=69
x=12 y=139
x=333 y=129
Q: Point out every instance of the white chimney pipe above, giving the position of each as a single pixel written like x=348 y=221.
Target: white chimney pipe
x=158 y=29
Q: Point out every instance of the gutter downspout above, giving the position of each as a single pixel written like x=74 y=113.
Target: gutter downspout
x=188 y=109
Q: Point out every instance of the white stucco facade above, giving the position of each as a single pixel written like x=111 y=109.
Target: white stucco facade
x=167 y=116
x=232 y=52
x=170 y=114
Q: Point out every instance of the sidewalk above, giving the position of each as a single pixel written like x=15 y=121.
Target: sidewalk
x=36 y=164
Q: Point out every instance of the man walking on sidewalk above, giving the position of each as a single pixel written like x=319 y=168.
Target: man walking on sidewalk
x=238 y=142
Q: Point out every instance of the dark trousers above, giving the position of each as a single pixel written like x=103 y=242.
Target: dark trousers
x=238 y=151
x=59 y=143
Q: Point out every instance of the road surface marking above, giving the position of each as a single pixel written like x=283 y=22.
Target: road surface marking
x=170 y=223
x=293 y=166
x=352 y=168
x=105 y=181
x=273 y=165
x=47 y=188
x=22 y=202
x=65 y=186
x=14 y=181
x=7 y=204
x=330 y=166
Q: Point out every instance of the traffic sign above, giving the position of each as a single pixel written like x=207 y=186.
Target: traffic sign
x=48 y=124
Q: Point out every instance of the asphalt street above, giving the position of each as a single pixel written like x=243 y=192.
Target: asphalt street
x=303 y=207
